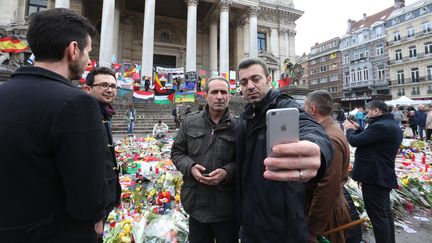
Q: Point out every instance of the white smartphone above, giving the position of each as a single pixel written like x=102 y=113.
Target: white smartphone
x=282 y=127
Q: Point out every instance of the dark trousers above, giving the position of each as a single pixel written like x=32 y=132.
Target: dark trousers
x=378 y=208
x=223 y=232
x=428 y=134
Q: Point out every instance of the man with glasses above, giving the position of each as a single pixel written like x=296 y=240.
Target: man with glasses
x=374 y=165
x=101 y=83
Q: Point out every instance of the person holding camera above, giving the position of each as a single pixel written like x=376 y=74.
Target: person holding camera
x=204 y=152
x=271 y=189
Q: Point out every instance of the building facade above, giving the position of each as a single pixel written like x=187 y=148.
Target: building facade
x=410 y=50
x=364 y=59
x=211 y=35
x=324 y=67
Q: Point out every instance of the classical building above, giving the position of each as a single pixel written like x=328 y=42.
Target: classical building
x=364 y=59
x=211 y=35
x=410 y=50
x=324 y=67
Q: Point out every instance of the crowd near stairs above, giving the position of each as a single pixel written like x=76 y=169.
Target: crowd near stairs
x=148 y=114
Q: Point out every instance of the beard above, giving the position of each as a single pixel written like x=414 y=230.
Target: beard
x=75 y=70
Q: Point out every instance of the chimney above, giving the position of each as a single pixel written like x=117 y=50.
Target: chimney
x=400 y=3
x=364 y=17
x=350 y=25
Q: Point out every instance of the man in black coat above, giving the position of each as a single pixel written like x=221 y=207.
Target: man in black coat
x=271 y=201
x=52 y=139
x=101 y=83
x=374 y=165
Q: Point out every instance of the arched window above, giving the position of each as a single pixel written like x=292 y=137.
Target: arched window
x=164 y=37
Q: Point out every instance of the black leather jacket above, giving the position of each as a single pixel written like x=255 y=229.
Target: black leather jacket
x=201 y=141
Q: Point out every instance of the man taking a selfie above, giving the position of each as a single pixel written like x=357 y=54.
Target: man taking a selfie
x=271 y=201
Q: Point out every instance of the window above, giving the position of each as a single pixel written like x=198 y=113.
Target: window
x=346 y=59
x=262 y=41
x=378 y=31
x=323 y=59
x=333 y=77
x=381 y=72
x=429 y=72
x=410 y=32
x=323 y=69
x=412 y=52
x=415 y=91
x=314 y=81
x=379 y=50
x=353 y=77
x=396 y=36
x=398 y=55
x=365 y=73
x=429 y=89
x=426 y=27
x=401 y=92
x=428 y=48
x=346 y=78
x=359 y=75
x=414 y=75
x=36 y=6
x=400 y=77
x=313 y=61
x=323 y=80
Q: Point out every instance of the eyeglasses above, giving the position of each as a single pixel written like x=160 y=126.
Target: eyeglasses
x=106 y=85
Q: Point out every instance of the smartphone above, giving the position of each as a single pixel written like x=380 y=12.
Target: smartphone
x=205 y=175
x=282 y=127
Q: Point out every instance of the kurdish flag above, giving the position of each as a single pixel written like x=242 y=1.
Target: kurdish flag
x=11 y=44
x=181 y=97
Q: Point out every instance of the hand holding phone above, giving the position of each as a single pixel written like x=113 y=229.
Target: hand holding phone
x=282 y=127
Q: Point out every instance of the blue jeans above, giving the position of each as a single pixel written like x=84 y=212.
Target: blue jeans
x=130 y=126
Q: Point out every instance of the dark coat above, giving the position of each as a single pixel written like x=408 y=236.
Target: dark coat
x=201 y=141
x=377 y=146
x=53 y=153
x=111 y=167
x=272 y=211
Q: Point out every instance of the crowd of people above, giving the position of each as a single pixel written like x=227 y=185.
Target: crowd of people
x=57 y=143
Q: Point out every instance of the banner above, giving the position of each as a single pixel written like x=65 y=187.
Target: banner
x=169 y=70
x=164 y=99
x=181 y=97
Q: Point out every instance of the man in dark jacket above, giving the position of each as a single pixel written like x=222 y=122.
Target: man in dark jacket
x=204 y=152
x=52 y=140
x=101 y=83
x=271 y=202
x=374 y=165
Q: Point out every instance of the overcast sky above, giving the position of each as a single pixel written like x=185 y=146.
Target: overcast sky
x=325 y=19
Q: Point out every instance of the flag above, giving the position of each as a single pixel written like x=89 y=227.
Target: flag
x=201 y=93
x=116 y=66
x=129 y=72
x=12 y=44
x=143 y=94
x=91 y=65
x=158 y=88
x=162 y=99
x=181 y=97
x=113 y=59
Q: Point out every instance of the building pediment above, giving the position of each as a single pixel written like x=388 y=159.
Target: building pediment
x=271 y=60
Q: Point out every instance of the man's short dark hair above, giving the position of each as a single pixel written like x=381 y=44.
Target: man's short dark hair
x=98 y=70
x=245 y=63
x=322 y=100
x=377 y=104
x=51 y=31
x=206 y=88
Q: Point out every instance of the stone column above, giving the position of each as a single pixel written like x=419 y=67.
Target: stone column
x=283 y=45
x=224 y=36
x=191 y=35
x=291 y=43
x=116 y=32
x=239 y=43
x=63 y=4
x=274 y=42
x=106 y=39
x=213 y=44
x=246 y=37
x=148 y=38
x=253 y=32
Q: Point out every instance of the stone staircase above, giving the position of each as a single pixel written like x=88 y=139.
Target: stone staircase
x=148 y=114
